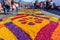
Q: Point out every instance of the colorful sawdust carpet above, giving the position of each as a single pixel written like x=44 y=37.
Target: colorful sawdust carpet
x=30 y=27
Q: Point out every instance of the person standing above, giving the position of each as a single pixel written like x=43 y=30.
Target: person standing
x=41 y=5
x=17 y=6
x=31 y=5
x=51 y=5
x=3 y=6
x=0 y=7
x=13 y=7
x=7 y=4
x=36 y=5
x=47 y=4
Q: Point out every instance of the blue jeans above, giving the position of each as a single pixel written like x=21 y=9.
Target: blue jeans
x=36 y=7
x=8 y=10
x=16 y=9
x=59 y=10
x=3 y=6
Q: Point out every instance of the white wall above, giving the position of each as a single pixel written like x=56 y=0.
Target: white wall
x=16 y=0
x=29 y=0
x=41 y=0
x=25 y=0
x=57 y=2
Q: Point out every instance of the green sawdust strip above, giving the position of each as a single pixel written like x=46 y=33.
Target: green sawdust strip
x=29 y=13
x=7 y=21
x=38 y=12
x=55 y=19
x=21 y=12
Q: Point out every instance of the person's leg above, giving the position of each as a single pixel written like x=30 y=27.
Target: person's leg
x=38 y=7
x=4 y=9
x=8 y=8
x=16 y=9
x=34 y=7
x=50 y=7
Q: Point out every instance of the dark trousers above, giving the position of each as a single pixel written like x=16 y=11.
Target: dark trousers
x=3 y=6
x=7 y=8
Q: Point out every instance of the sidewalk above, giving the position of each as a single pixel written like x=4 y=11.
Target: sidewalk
x=2 y=15
x=50 y=14
x=14 y=13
